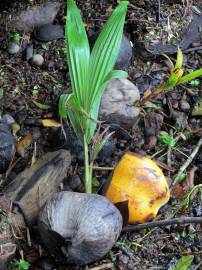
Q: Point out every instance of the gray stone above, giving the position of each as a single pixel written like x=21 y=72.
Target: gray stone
x=8 y=119
x=36 y=16
x=184 y=105
x=37 y=60
x=125 y=54
x=48 y=32
x=13 y=48
x=117 y=104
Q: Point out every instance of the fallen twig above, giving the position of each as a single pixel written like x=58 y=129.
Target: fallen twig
x=188 y=162
x=167 y=222
x=97 y=168
x=103 y=266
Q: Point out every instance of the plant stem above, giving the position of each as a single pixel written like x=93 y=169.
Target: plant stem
x=88 y=172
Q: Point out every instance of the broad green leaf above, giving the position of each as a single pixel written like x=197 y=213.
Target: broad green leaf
x=114 y=74
x=179 y=60
x=191 y=76
x=105 y=51
x=78 y=52
x=183 y=263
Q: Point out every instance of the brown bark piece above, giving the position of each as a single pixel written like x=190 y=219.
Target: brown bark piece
x=31 y=188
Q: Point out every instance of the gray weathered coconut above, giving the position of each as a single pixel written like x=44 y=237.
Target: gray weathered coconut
x=79 y=228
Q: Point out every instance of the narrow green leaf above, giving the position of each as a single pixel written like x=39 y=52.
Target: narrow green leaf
x=78 y=52
x=191 y=76
x=41 y=106
x=172 y=81
x=183 y=263
x=179 y=60
x=105 y=51
x=63 y=102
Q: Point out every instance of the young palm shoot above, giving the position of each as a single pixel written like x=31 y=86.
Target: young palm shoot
x=176 y=77
x=89 y=74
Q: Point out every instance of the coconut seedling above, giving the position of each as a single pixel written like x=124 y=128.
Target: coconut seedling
x=80 y=228
x=89 y=74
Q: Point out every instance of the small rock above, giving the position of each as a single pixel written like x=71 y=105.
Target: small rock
x=74 y=182
x=125 y=54
x=150 y=131
x=117 y=104
x=8 y=119
x=151 y=142
x=50 y=65
x=48 y=32
x=37 y=60
x=107 y=150
x=184 y=105
x=123 y=259
x=36 y=16
x=29 y=53
x=153 y=120
x=36 y=133
x=13 y=48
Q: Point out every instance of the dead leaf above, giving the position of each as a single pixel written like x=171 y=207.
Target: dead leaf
x=15 y=128
x=23 y=144
x=50 y=123
x=177 y=191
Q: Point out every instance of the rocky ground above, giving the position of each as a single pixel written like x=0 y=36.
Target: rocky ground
x=33 y=74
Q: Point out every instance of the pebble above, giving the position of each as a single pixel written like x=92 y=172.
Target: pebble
x=37 y=60
x=29 y=53
x=13 y=48
x=184 y=105
x=107 y=150
x=150 y=131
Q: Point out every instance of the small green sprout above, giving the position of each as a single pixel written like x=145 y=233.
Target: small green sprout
x=20 y=265
x=194 y=83
x=167 y=139
x=176 y=73
x=176 y=78
x=14 y=37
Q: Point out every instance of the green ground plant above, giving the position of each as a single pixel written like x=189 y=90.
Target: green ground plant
x=89 y=74
x=19 y=265
x=175 y=78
